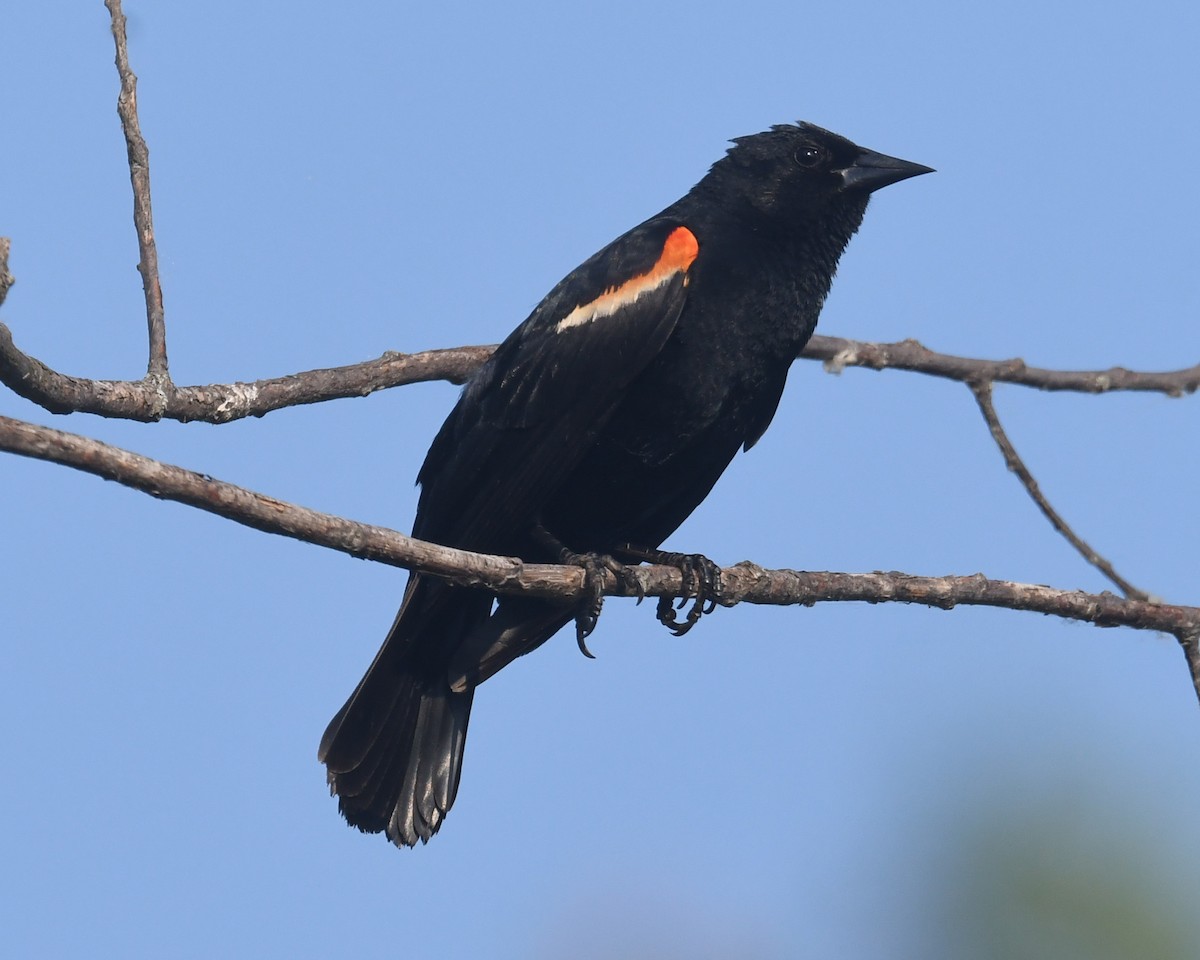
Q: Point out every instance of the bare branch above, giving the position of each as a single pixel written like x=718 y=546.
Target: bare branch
x=1190 y=640
x=743 y=582
x=156 y=398
x=983 y=396
x=139 y=175
x=6 y=278
x=147 y=401
x=911 y=355
x=221 y=403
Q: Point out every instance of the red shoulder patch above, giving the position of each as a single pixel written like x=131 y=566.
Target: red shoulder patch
x=679 y=250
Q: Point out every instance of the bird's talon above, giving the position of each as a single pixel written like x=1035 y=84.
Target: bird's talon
x=666 y=613
x=594 y=565
x=700 y=588
x=581 y=634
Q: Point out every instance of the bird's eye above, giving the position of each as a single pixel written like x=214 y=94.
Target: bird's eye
x=809 y=155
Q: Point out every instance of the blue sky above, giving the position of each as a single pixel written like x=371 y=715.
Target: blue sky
x=779 y=783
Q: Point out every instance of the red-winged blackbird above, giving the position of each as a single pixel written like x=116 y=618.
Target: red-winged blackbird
x=601 y=422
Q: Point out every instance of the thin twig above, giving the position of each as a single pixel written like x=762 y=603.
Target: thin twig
x=743 y=582
x=983 y=396
x=1190 y=641
x=143 y=220
x=6 y=278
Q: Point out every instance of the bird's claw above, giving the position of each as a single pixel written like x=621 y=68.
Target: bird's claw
x=701 y=584
x=594 y=566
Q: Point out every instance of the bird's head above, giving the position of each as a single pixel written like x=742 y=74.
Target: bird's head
x=798 y=173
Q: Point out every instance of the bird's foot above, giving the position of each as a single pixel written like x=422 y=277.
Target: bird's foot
x=594 y=567
x=701 y=584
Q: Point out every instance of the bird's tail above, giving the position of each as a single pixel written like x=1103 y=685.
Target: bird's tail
x=393 y=754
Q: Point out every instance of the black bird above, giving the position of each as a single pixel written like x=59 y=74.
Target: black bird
x=591 y=433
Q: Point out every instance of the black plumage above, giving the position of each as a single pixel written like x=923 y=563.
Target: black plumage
x=602 y=420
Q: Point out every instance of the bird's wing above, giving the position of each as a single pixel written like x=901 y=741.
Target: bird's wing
x=529 y=414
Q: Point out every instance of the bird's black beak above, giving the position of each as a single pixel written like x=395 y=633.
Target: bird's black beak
x=871 y=170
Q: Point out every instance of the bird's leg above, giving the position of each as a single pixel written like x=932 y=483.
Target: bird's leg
x=701 y=581
x=594 y=565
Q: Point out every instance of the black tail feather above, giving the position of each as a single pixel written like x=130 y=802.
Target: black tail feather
x=393 y=753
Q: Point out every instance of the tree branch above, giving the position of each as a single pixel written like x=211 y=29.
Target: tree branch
x=838 y=354
x=6 y=278
x=743 y=582
x=146 y=401
x=1012 y=459
x=220 y=403
x=143 y=220
x=1190 y=639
